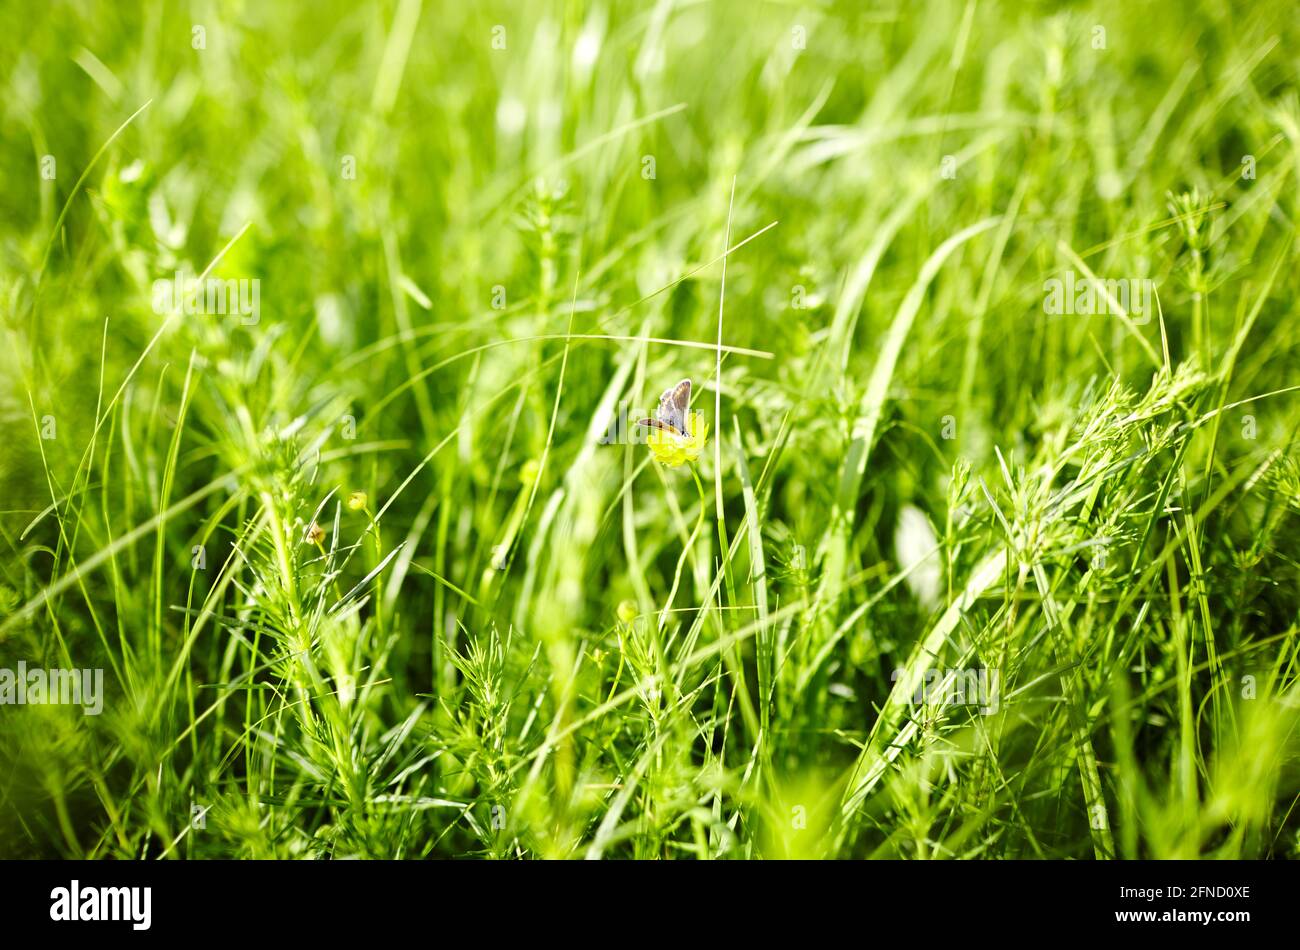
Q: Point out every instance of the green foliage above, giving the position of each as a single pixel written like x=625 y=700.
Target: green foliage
x=969 y=575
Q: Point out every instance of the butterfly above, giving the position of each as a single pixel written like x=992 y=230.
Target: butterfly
x=671 y=414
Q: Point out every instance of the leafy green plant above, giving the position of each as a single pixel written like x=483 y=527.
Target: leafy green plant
x=956 y=569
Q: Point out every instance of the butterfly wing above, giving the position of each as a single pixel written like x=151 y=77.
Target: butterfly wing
x=673 y=405
x=658 y=424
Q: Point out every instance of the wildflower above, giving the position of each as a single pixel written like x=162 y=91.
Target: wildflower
x=356 y=501
x=675 y=449
x=315 y=534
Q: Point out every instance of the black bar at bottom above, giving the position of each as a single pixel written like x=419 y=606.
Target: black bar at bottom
x=242 y=899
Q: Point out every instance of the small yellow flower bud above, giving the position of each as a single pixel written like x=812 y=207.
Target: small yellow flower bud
x=627 y=611
x=356 y=501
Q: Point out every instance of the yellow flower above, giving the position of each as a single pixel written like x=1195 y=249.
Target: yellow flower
x=356 y=501
x=675 y=450
x=315 y=534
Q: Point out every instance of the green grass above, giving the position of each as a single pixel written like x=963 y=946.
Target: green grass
x=526 y=643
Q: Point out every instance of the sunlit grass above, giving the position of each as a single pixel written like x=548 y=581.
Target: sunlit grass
x=367 y=574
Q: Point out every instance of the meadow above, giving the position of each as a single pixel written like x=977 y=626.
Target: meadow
x=327 y=328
